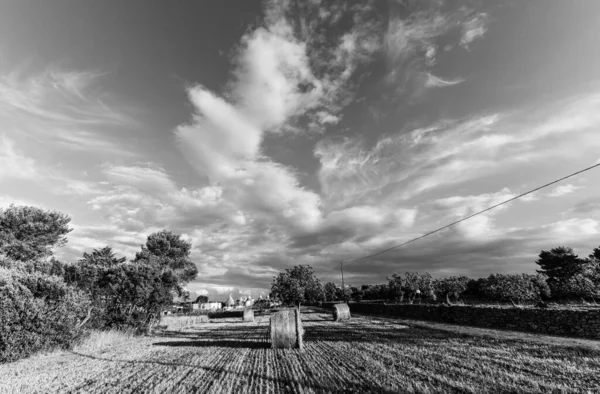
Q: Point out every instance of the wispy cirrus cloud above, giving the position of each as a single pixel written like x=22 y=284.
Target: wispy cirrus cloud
x=474 y=28
x=62 y=108
x=451 y=152
x=416 y=39
x=437 y=82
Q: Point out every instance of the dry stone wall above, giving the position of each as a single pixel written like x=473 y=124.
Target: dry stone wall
x=581 y=322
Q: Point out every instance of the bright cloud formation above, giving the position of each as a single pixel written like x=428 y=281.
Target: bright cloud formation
x=338 y=129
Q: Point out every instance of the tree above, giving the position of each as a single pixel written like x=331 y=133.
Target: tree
x=375 y=292
x=202 y=299
x=453 y=286
x=168 y=251
x=357 y=293
x=585 y=283
x=130 y=294
x=395 y=287
x=28 y=233
x=297 y=285
x=594 y=257
x=410 y=286
x=519 y=287
x=102 y=258
x=559 y=264
x=330 y=291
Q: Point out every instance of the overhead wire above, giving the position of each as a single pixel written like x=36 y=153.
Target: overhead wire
x=463 y=219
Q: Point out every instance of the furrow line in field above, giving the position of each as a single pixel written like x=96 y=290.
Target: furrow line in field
x=203 y=368
x=345 y=370
x=394 y=372
x=258 y=370
x=222 y=373
x=223 y=356
x=376 y=351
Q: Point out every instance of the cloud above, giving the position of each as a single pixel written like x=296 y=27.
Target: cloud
x=463 y=206
x=143 y=197
x=411 y=162
x=575 y=227
x=274 y=84
x=63 y=110
x=414 y=34
x=587 y=206
x=14 y=164
x=417 y=161
x=474 y=29
x=562 y=190
x=437 y=82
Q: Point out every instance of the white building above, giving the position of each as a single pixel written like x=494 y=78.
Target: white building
x=211 y=306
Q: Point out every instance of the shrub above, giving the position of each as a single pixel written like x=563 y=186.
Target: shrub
x=37 y=312
x=519 y=287
x=453 y=286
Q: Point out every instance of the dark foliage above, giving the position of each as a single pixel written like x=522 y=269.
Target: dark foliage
x=37 y=312
x=298 y=285
x=167 y=251
x=28 y=233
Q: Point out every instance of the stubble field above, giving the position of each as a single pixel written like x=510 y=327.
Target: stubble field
x=363 y=355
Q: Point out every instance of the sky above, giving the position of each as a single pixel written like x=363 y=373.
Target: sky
x=277 y=133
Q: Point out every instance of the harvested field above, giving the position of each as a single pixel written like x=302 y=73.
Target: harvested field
x=361 y=355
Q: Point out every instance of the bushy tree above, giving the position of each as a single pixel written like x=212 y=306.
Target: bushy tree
x=580 y=286
x=356 y=293
x=411 y=285
x=297 y=285
x=376 y=292
x=133 y=293
x=594 y=257
x=453 y=286
x=517 y=287
x=395 y=287
x=584 y=284
x=167 y=251
x=202 y=299
x=559 y=264
x=104 y=257
x=29 y=233
x=37 y=312
x=330 y=291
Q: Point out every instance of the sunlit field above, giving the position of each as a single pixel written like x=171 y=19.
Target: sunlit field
x=363 y=355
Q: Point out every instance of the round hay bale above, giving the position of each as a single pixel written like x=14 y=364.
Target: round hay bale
x=248 y=314
x=286 y=330
x=341 y=312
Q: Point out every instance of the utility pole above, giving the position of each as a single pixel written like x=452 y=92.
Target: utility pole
x=343 y=288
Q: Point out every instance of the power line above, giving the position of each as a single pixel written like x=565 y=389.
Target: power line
x=467 y=217
x=330 y=271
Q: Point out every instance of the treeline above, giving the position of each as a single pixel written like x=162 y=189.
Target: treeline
x=562 y=275
x=45 y=303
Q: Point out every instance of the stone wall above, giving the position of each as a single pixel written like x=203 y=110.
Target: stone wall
x=580 y=322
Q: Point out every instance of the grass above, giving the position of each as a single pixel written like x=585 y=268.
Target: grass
x=365 y=354
x=180 y=322
x=100 y=340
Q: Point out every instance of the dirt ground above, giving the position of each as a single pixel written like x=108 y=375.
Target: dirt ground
x=365 y=354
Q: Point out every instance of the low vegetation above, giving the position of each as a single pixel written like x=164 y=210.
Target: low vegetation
x=360 y=355
x=179 y=322
x=38 y=312
x=46 y=303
